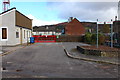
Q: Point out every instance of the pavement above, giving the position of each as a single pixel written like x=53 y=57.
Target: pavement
x=48 y=60
x=74 y=53
x=4 y=50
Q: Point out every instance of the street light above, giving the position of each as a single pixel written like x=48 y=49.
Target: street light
x=97 y=33
x=111 y=34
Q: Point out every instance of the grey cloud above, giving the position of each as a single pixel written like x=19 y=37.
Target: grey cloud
x=85 y=10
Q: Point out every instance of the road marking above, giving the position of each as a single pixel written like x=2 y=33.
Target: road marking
x=9 y=62
x=40 y=76
x=71 y=68
x=13 y=76
x=62 y=45
x=4 y=70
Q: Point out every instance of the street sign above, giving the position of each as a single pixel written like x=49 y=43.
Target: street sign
x=111 y=22
x=100 y=22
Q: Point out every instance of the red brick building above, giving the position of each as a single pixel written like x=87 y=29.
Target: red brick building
x=74 y=27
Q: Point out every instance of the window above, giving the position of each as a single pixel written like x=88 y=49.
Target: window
x=17 y=34
x=4 y=33
x=24 y=33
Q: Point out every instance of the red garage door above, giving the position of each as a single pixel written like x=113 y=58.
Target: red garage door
x=45 y=38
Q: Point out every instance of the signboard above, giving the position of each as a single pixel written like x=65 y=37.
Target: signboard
x=111 y=22
x=100 y=22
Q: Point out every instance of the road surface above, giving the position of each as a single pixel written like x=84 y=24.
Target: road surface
x=48 y=60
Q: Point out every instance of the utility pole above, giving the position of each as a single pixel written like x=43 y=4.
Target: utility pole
x=111 y=34
x=97 y=33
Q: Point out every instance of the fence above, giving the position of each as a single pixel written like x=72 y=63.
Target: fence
x=69 y=38
x=49 y=38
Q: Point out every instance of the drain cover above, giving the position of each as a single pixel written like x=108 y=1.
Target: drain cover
x=18 y=70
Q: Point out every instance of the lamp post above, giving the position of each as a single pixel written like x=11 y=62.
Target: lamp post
x=97 y=33
x=111 y=34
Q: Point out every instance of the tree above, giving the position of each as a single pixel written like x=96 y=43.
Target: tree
x=92 y=38
x=101 y=39
x=106 y=28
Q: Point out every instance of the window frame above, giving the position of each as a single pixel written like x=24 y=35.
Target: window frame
x=17 y=35
x=24 y=34
x=1 y=34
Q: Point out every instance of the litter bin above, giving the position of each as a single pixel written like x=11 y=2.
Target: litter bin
x=32 y=40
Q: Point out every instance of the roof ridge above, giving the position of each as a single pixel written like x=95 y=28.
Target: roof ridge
x=8 y=10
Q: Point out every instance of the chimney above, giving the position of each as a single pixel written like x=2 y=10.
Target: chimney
x=70 y=19
x=115 y=18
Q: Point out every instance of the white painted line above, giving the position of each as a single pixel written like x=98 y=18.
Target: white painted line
x=1 y=52
x=9 y=62
x=3 y=70
x=40 y=76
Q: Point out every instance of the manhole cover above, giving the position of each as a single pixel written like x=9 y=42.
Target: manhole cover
x=18 y=70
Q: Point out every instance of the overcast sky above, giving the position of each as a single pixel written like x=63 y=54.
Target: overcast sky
x=86 y=11
x=52 y=12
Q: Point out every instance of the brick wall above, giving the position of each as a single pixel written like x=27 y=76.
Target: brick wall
x=74 y=28
x=69 y=38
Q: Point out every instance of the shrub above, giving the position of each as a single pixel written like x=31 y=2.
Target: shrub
x=88 y=37
x=92 y=38
x=101 y=39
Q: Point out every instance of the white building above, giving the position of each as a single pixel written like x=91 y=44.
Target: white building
x=46 y=30
x=15 y=28
x=119 y=10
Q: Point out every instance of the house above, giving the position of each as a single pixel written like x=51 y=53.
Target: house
x=15 y=28
x=116 y=30
x=72 y=27
x=46 y=30
x=90 y=26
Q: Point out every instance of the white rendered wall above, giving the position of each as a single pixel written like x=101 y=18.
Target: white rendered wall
x=8 y=20
x=119 y=10
x=27 y=35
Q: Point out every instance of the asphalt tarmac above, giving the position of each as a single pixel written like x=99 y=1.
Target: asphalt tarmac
x=48 y=60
